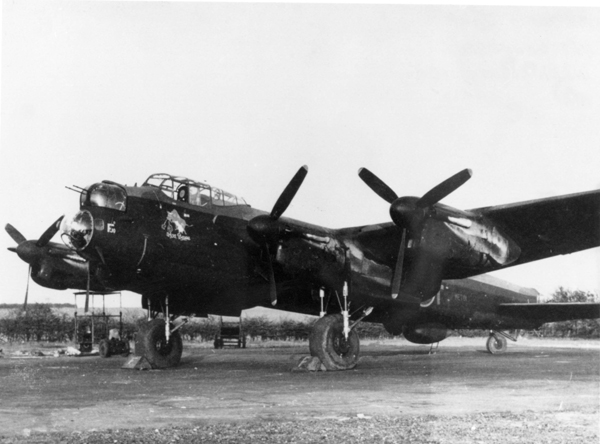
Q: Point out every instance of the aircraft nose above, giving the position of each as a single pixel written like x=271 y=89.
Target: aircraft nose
x=77 y=230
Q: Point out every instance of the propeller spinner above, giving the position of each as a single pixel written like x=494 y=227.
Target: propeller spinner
x=408 y=213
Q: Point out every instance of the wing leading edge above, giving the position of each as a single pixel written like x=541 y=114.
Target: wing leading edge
x=549 y=227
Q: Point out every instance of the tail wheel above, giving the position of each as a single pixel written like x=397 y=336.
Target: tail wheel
x=496 y=345
x=327 y=342
x=160 y=352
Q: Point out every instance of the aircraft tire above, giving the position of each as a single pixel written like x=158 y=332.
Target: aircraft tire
x=104 y=348
x=327 y=342
x=158 y=352
x=496 y=345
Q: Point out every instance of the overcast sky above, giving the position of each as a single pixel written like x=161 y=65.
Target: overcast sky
x=242 y=95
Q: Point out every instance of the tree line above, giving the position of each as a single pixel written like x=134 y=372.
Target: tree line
x=45 y=322
x=40 y=322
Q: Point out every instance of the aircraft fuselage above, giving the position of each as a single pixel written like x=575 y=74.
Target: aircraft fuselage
x=141 y=240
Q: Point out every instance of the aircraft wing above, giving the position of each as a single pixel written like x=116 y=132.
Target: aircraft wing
x=548 y=227
x=378 y=242
x=551 y=312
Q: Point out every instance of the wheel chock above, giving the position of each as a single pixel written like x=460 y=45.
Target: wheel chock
x=138 y=363
x=309 y=364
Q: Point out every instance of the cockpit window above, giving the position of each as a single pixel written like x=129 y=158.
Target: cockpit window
x=199 y=195
x=164 y=182
x=194 y=193
x=223 y=198
x=105 y=195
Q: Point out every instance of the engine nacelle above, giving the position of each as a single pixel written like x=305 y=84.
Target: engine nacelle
x=46 y=276
x=425 y=333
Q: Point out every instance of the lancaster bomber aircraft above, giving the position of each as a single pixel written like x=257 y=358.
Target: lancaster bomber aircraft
x=190 y=249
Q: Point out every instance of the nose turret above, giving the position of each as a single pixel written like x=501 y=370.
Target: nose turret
x=77 y=230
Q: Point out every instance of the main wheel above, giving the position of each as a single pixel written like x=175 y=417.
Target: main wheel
x=496 y=344
x=327 y=342
x=159 y=352
x=104 y=348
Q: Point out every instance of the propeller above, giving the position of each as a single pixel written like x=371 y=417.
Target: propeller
x=31 y=251
x=408 y=213
x=266 y=230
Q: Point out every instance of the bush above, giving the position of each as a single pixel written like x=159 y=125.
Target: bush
x=38 y=323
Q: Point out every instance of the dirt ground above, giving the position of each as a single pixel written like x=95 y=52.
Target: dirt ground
x=393 y=379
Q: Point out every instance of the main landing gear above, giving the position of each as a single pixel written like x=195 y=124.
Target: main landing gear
x=333 y=340
x=159 y=341
x=328 y=342
x=152 y=343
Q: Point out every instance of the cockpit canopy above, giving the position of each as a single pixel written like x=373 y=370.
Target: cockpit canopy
x=194 y=193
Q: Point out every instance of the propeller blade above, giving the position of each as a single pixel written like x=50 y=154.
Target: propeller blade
x=442 y=190
x=15 y=234
x=288 y=194
x=49 y=233
x=377 y=185
x=27 y=289
x=397 y=280
x=272 y=285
